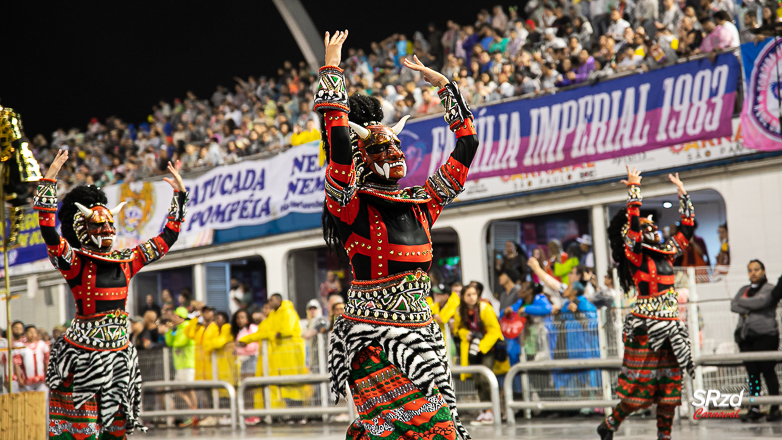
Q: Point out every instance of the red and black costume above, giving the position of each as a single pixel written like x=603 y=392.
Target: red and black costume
x=93 y=373
x=386 y=346
x=656 y=342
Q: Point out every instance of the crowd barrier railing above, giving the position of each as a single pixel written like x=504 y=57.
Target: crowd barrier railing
x=494 y=387
x=268 y=411
x=548 y=366
x=170 y=386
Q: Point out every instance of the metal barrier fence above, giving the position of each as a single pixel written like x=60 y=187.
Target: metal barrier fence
x=568 y=361
x=169 y=386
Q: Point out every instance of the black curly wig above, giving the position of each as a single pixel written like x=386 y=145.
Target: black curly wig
x=364 y=110
x=87 y=195
x=618 y=249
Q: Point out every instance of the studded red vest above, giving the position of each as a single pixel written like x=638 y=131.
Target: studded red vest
x=99 y=281
x=652 y=265
x=386 y=230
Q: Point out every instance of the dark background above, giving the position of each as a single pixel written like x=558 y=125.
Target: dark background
x=63 y=64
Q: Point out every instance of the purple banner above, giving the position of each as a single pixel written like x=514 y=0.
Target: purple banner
x=674 y=105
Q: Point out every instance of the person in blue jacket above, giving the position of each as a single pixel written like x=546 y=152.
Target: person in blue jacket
x=532 y=302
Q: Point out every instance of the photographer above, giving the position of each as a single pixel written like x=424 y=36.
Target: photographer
x=316 y=324
x=479 y=331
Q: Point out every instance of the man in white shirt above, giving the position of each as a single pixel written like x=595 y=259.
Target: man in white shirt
x=723 y=19
x=235 y=296
x=34 y=361
x=618 y=25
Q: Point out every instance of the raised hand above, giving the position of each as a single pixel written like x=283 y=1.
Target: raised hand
x=58 y=162
x=334 y=47
x=679 y=184
x=633 y=177
x=176 y=182
x=436 y=79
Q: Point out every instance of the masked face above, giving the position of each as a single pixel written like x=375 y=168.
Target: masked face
x=649 y=233
x=100 y=230
x=382 y=154
x=379 y=149
x=95 y=227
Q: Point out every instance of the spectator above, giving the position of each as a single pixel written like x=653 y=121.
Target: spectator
x=618 y=25
x=478 y=329
x=57 y=332
x=35 y=363
x=221 y=343
x=723 y=257
x=750 y=24
x=286 y=349
x=444 y=304
x=758 y=330
x=531 y=302
x=166 y=298
x=725 y=21
x=587 y=257
x=316 y=324
x=184 y=299
x=696 y=254
x=20 y=355
x=509 y=290
x=150 y=332
x=17 y=330
x=139 y=337
x=514 y=258
x=605 y=296
x=562 y=270
x=150 y=304
x=184 y=358
x=717 y=37
x=196 y=327
x=236 y=296
x=336 y=312
x=330 y=287
x=310 y=133
x=556 y=255
x=671 y=18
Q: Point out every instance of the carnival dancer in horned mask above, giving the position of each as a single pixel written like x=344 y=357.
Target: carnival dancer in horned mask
x=93 y=371
x=386 y=346
x=657 y=345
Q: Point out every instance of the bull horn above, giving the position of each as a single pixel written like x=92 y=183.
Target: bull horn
x=86 y=212
x=114 y=211
x=362 y=132
x=649 y=218
x=400 y=125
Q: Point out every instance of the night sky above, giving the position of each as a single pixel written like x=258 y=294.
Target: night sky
x=62 y=65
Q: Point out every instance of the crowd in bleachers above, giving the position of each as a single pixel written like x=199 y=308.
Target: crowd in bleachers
x=504 y=53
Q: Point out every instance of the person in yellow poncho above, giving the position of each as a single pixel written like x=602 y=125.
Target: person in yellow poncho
x=443 y=304
x=286 y=349
x=196 y=331
x=201 y=333
x=218 y=340
x=478 y=328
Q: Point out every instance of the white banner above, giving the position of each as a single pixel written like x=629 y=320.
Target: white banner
x=690 y=153
x=248 y=193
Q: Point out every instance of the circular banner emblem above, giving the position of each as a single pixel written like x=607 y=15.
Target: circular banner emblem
x=761 y=110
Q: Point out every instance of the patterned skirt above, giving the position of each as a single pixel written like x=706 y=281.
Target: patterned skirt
x=67 y=422
x=94 y=381
x=649 y=376
x=390 y=406
x=405 y=390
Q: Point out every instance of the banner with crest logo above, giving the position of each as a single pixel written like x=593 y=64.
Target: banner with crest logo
x=249 y=193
